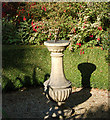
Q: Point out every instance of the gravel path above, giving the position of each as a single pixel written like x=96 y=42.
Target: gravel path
x=32 y=103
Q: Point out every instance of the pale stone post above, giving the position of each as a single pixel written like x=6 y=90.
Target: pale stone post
x=57 y=87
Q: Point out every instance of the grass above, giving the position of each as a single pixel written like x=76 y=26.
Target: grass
x=25 y=66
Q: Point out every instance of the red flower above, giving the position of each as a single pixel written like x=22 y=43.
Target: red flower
x=100 y=28
x=24 y=18
x=34 y=30
x=91 y=36
x=4 y=5
x=33 y=26
x=22 y=9
x=101 y=48
x=74 y=30
x=64 y=10
x=42 y=8
x=83 y=26
x=28 y=14
x=45 y=9
x=83 y=52
x=85 y=22
x=98 y=39
x=32 y=23
x=78 y=44
x=33 y=3
x=37 y=26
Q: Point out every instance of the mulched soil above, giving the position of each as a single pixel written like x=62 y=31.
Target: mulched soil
x=32 y=103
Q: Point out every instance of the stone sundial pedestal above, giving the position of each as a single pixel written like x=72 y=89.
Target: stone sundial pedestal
x=57 y=87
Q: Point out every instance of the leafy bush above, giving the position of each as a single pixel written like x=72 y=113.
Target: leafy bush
x=9 y=31
x=82 y=23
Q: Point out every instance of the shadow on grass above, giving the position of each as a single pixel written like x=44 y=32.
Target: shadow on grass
x=12 y=58
x=27 y=82
x=9 y=86
x=86 y=70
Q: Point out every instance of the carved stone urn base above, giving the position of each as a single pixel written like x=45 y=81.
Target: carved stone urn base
x=58 y=95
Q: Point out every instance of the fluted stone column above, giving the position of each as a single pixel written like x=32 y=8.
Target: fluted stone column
x=57 y=87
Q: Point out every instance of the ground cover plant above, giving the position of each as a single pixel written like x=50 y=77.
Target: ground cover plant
x=25 y=66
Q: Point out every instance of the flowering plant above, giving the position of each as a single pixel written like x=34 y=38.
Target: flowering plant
x=83 y=24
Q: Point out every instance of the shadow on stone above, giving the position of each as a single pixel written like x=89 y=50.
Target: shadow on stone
x=86 y=70
x=79 y=97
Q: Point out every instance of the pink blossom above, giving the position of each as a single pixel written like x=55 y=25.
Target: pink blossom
x=80 y=6
x=45 y=9
x=83 y=26
x=42 y=8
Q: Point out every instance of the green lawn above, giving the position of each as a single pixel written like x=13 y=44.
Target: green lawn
x=25 y=66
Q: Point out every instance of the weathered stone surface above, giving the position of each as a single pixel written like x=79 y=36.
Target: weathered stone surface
x=57 y=87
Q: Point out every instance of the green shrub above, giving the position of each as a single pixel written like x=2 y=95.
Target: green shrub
x=82 y=23
x=9 y=32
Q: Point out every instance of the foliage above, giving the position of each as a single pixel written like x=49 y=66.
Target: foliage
x=9 y=31
x=80 y=22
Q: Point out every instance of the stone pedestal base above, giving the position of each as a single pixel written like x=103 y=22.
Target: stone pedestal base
x=59 y=95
